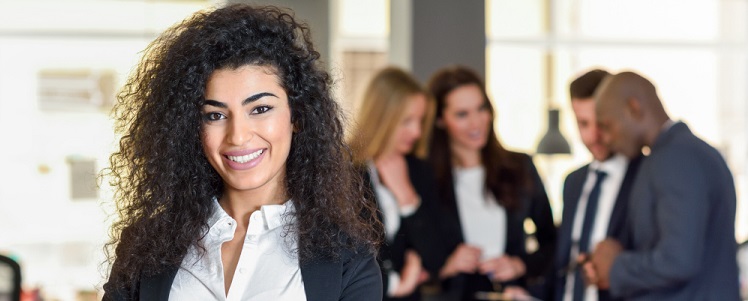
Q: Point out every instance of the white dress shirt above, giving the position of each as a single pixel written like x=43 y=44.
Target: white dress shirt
x=391 y=214
x=615 y=169
x=482 y=219
x=268 y=267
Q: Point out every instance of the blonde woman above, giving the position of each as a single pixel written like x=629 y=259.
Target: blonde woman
x=389 y=130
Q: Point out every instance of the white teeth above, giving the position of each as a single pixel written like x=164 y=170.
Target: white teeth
x=246 y=158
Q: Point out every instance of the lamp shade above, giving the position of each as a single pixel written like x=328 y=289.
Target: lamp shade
x=553 y=142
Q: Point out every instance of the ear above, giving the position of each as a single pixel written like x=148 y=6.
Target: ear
x=634 y=107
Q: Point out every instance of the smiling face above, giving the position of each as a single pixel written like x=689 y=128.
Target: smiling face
x=466 y=118
x=246 y=127
x=409 y=129
x=584 y=111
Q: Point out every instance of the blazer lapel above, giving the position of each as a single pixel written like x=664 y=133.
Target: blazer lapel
x=322 y=279
x=617 y=225
x=572 y=193
x=157 y=287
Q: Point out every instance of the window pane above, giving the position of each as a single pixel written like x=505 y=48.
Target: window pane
x=364 y=18
x=686 y=80
x=646 y=20
x=512 y=18
x=515 y=84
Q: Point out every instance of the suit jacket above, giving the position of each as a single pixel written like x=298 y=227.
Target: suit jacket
x=417 y=231
x=351 y=277
x=682 y=223
x=573 y=186
x=534 y=204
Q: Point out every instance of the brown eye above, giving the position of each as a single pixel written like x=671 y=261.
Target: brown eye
x=261 y=109
x=213 y=116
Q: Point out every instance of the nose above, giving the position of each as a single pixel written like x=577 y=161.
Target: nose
x=478 y=121
x=597 y=134
x=239 y=131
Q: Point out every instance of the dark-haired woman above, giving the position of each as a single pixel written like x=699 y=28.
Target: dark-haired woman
x=487 y=194
x=231 y=144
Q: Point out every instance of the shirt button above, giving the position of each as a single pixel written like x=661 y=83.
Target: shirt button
x=242 y=270
x=252 y=238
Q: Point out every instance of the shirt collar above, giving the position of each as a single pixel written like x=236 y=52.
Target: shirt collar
x=271 y=216
x=274 y=216
x=667 y=125
x=614 y=165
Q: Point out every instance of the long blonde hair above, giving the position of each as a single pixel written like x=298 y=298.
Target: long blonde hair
x=380 y=112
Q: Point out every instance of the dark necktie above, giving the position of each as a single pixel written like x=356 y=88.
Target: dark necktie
x=584 y=239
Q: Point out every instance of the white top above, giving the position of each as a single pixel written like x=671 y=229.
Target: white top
x=391 y=214
x=268 y=267
x=482 y=219
x=391 y=210
x=615 y=168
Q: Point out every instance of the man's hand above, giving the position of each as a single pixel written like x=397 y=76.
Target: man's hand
x=597 y=271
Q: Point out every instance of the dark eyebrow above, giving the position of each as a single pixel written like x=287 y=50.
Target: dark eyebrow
x=256 y=97
x=215 y=103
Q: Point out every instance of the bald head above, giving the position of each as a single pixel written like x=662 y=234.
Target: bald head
x=629 y=112
x=617 y=90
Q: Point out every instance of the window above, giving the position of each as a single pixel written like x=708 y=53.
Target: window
x=696 y=55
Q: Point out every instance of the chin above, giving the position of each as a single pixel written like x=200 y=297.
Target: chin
x=602 y=156
x=244 y=184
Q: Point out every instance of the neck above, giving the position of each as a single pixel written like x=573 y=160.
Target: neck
x=240 y=204
x=655 y=129
x=465 y=157
x=387 y=155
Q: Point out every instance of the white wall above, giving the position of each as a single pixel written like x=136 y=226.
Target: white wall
x=59 y=241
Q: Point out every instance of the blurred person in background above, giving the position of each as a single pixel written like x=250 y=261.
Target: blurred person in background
x=389 y=131
x=595 y=197
x=487 y=193
x=681 y=208
x=233 y=180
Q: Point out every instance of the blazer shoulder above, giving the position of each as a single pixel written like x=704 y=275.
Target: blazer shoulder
x=361 y=277
x=577 y=175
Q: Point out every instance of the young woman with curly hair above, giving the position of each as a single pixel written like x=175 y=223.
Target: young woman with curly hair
x=487 y=194
x=233 y=180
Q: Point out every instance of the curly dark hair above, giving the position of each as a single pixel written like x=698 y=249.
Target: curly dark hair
x=506 y=176
x=164 y=184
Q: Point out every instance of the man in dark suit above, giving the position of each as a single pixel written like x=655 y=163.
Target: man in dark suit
x=681 y=209
x=590 y=214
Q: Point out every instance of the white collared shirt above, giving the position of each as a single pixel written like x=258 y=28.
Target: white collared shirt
x=268 y=267
x=482 y=219
x=391 y=210
x=615 y=168
x=391 y=214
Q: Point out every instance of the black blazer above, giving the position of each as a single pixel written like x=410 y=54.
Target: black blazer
x=418 y=231
x=573 y=186
x=534 y=204
x=351 y=277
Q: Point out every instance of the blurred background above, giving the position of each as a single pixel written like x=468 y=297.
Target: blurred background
x=62 y=62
